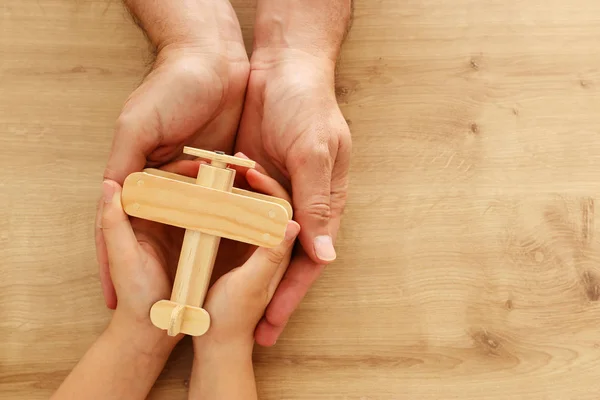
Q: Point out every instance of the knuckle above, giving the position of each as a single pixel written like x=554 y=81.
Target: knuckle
x=319 y=210
x=339 y=198
x=345 y=136
x=321 y=152
x=314 y=155
x=125 y=122
x=207 y=78
x=275 y=256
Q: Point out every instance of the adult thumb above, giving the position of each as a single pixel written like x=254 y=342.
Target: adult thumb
x=311 y=192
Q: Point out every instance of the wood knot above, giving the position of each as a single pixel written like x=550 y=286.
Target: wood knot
x=591 y=285
x=344 y=90
x=486 y=341
x=78 y=69
x=474 y=128
x=539 y=256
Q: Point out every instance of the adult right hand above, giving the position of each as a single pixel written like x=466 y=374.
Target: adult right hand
x=192 y=96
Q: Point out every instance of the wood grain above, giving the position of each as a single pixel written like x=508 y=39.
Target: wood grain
x=203 y=209
x=196 y=259
x=468 y=253
x=242 y=192
x=199 y=250
x=190 y=320
x=216 y=157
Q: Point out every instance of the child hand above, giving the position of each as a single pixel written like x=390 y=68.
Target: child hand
x=238 y=299
x=140 y=276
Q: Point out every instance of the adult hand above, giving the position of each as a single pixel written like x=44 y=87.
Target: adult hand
x=192 y=96
x=293 y=126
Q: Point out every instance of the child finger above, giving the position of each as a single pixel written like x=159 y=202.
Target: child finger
x=121 y=243
x=264 y=263
x=265 y=184
x=257 y=167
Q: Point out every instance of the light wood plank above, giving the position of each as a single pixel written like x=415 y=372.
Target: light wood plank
x=196 y=259
x=241 y=192
x=222 y=158
x=195 y=321
x=202 y=209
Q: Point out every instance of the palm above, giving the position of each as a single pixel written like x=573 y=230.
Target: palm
x=194 y=97
x=266 y=136
x=143 y=290
x=292 y=125
x=229 y=300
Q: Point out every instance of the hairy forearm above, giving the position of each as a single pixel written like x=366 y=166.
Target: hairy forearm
x=223 y=372
x=115 y=367
x=183 y=22
x=317 y=27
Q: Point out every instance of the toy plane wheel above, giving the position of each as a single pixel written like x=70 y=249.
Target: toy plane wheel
x=179 y=318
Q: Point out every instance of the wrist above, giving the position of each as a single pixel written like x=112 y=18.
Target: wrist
x=206 y=347
x=315 y=27
x=140 y=340
x=221 y=354
x=216 y=365
x=187 y=23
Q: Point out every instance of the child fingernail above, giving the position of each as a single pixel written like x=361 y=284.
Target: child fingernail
x=324 y=248
x=292 y=230
x=108 y=191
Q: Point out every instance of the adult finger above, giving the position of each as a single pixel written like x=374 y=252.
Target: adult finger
x=108 y=289
x=298 y=279
x=303 y=271
x=311 y=193
x=339 y=181
x=264 y=263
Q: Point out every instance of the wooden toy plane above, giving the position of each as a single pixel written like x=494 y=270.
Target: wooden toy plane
x=209 y=208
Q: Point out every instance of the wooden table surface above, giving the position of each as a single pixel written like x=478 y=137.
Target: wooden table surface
x=469 y=253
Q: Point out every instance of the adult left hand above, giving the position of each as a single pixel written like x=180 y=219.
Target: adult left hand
x=293 y=126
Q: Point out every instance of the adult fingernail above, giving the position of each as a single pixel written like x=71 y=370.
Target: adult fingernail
x=108 y=191
x=324 y=248
x=292 y=230
x=241 y=155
